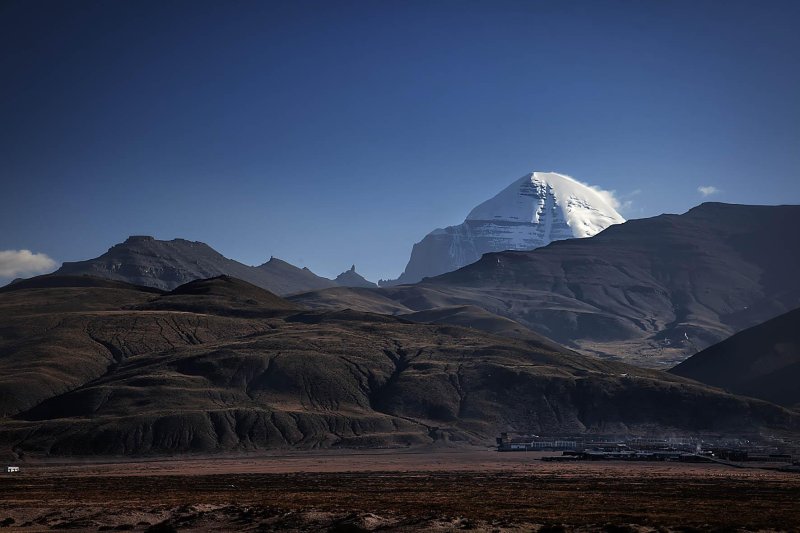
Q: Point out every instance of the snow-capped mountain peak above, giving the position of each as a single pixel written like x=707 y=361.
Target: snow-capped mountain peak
x=533 y=211
x=537 y=197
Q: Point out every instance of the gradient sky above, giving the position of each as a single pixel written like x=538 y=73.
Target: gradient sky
x=336 y=132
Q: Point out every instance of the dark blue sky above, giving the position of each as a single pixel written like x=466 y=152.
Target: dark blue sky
x=333 y=133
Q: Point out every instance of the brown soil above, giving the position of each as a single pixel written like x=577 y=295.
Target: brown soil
x=480 y=490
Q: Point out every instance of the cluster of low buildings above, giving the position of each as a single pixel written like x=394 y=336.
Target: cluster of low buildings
x=635 y=448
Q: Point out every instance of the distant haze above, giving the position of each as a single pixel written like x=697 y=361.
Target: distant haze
x=333 y=133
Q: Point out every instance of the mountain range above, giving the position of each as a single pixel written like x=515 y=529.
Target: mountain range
x=168 y=346
x=535 y=210
x=649 y=291
x=98 y=367
x=143 y=260
x=564 y=321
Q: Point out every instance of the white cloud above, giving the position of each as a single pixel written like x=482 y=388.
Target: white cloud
x=626 y=200
x=608 y=197
x=707 y=190
x=24 y=262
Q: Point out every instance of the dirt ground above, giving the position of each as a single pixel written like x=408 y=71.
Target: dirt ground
x=391 y=491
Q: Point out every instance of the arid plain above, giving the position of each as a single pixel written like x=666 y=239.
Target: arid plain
x=441 y=489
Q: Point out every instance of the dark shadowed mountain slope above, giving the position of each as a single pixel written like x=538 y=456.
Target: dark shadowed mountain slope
x=762 y=362
x=53 y=281
x=143 y=260
x=222 y=295
x=131 y=379
x=358 y=298
x=403 y=298
x=52 y=293
x=351 y=278
x=661 y=287
x=470 y=316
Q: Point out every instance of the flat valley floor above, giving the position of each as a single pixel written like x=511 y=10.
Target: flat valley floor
x=439 y=490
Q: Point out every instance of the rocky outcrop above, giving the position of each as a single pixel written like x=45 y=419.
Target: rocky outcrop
x=351 y=278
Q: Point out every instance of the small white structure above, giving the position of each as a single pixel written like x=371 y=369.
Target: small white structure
x=12 y=469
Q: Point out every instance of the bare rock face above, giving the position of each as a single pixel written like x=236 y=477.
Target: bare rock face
x=143 y=260
x=535 y=210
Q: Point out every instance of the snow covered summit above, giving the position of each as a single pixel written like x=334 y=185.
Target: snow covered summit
x=547 y=197
x=533 y=211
